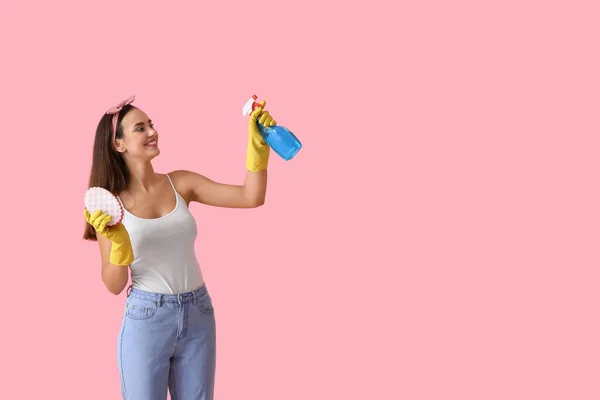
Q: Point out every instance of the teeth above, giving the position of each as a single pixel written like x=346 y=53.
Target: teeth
x=150 y=143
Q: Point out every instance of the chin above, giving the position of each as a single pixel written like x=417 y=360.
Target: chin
x=156 y=152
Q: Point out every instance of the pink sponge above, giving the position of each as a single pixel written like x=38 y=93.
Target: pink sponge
x=97 y=198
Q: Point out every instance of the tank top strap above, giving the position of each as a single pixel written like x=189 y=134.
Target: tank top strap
x=177 y=195
x=171 y=182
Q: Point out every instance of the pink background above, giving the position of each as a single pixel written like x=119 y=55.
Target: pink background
x=436 y=237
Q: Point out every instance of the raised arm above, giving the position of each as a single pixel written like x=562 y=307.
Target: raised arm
x=203 y=190
x=252 y=193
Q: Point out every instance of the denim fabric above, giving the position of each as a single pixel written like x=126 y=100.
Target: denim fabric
x=167 y=341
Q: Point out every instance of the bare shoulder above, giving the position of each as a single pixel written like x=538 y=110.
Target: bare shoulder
x=186 y=182
x=185 y=178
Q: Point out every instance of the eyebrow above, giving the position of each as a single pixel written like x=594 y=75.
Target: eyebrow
x=141 y=123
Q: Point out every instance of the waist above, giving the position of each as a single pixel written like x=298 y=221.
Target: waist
x=179 y=298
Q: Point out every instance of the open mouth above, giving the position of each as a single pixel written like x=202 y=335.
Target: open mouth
x=152 y=143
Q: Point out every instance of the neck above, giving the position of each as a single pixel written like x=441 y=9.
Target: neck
x=142 y=177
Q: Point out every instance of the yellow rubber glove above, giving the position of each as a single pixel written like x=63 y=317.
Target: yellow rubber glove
x=257 y=155
x=121 y=252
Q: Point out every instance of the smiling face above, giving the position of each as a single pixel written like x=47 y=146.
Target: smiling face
x=140 y=139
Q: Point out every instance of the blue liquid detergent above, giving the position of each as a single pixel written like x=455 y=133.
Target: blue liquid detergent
x=279 y=138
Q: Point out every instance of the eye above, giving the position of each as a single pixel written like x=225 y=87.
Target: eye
x=141 y=128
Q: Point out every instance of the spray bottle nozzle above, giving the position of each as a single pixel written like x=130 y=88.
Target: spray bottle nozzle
x=250 y=105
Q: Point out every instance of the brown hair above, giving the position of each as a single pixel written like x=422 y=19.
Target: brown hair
x=108 y=167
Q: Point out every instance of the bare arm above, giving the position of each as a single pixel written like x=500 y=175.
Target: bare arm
x=201 y=189
x=115 y=277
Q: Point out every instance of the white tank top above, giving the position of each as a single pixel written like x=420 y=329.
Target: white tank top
x=163 y=249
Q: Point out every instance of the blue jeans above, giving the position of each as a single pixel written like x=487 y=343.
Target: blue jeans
x=167 y=341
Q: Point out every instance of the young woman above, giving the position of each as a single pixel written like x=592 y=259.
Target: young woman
x=167 y=338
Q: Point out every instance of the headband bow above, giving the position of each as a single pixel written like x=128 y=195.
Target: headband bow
x=115 y=112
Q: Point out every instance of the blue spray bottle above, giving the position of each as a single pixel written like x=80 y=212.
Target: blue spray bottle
x=279 y=138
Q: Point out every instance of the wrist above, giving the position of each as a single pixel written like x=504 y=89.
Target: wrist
x=121 y=254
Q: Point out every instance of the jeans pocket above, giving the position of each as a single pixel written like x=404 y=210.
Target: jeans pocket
x=204 y=304
x=140 y=309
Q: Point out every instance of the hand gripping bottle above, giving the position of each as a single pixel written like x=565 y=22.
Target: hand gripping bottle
x=279 y=138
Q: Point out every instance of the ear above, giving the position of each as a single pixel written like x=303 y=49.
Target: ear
x=120 y=146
